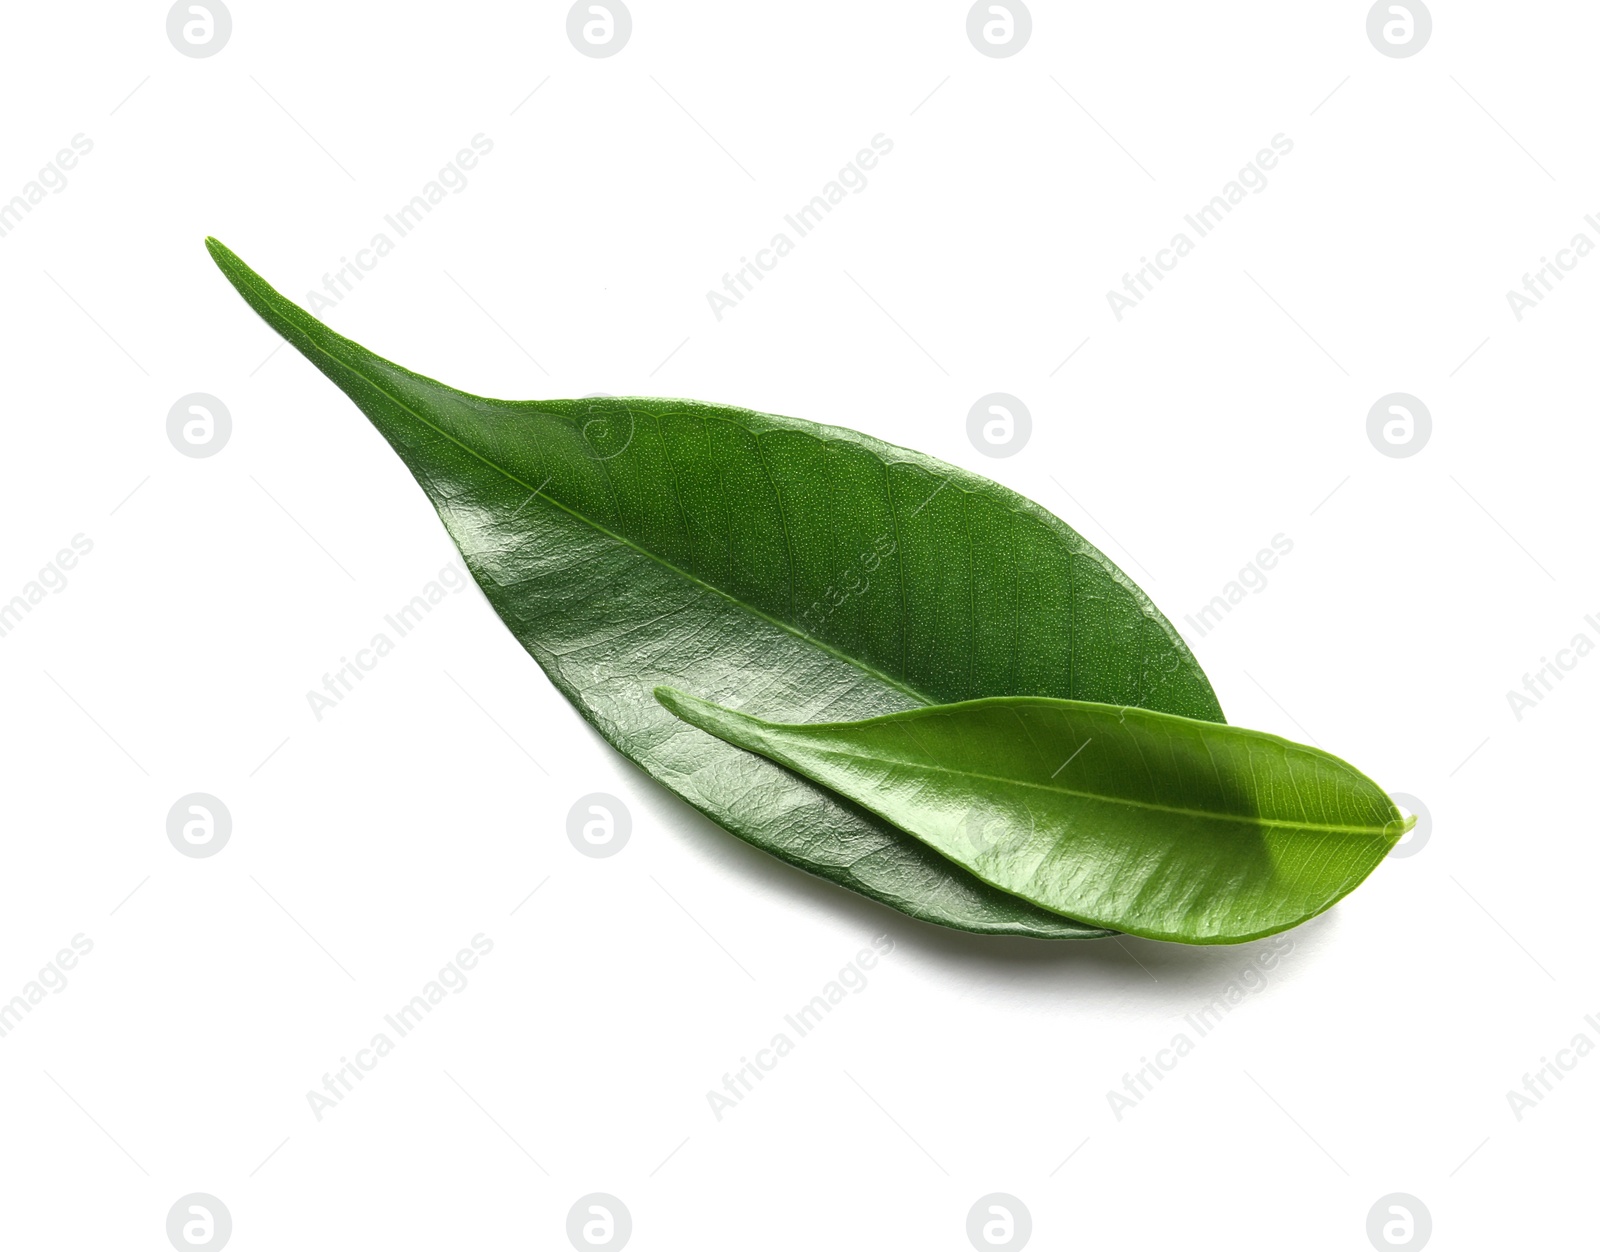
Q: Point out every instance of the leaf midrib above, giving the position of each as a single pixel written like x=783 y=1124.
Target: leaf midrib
x=1141 y=805
x=611 y=534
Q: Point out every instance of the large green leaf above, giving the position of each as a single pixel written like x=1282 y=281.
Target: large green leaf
x=635 y=542
x=1160 y=826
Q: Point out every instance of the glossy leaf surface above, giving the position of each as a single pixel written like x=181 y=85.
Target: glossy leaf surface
x=634 y=542
x=1160 y=826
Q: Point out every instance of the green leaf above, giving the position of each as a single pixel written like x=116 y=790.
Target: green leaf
x=634 y=542
x=1160 y=826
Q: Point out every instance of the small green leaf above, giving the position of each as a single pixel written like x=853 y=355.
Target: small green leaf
x=634 y=542
x=1157 y=825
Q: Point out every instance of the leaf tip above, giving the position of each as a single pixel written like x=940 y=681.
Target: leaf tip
x=225 y=258
x=228 y=261
x=702 y=714
x=669 y=697
x=1398 y=826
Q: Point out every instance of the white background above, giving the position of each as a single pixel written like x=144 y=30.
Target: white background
x=370 y=846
